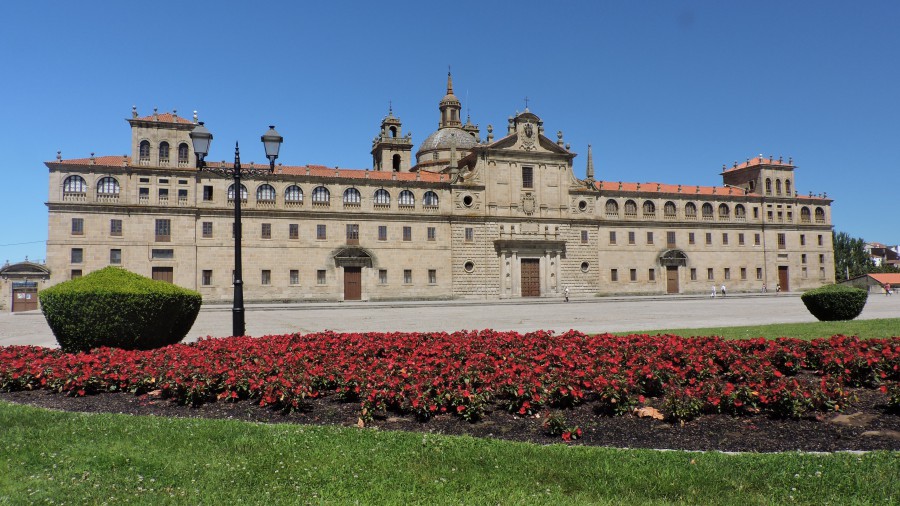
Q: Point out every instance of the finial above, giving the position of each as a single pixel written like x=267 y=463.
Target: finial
x=790 y=160
x=449 y=81
x=58 y=155
x=568 y=147
x=92 y=158
x=390 y=107
x=526 y=103
x=779 y=158
x=723 y=167
x=134 y=113
x=155 y=115
x=174 y=113
x=590 y=160
x=195 y=117
x=735 y=164
x=124 y=160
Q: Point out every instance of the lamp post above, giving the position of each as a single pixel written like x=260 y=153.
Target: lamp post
x=201 y=139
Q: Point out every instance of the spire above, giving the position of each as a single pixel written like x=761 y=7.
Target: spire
x=449 y=82
x=590 y=163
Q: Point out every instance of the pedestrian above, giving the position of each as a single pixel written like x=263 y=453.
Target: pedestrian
x=764 y=288
x=887 y=289
x=566 y=291
x=713 y=294
x=778 y=288
x=723 y=289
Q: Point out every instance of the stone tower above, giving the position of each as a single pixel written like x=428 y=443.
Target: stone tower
x=391 y=150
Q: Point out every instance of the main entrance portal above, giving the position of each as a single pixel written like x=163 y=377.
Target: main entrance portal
x=352 y=283
x=531 y=277
x=671 y=279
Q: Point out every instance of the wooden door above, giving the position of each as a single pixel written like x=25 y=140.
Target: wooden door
x=24 y=299
x=352 y=283
x=671 y=279
x=531 y=277
x=783 y=278
x=163 y=274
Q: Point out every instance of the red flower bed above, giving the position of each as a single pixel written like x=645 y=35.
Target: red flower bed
x=428 y=373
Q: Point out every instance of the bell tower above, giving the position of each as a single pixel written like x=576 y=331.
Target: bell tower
x=391 y=151
x=450 y=107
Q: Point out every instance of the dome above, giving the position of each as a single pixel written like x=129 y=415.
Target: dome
x=442 y=140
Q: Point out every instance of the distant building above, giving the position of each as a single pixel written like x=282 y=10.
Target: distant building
x=468 y=218
x=876 y=282
x=883 y=255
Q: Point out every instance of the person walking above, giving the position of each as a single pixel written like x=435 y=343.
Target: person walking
x=566 y=291
x=887 y=289
x=723 y=289
x=713 y=294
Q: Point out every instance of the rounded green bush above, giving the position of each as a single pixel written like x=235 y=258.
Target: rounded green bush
x=835 y=302
x=117 y=308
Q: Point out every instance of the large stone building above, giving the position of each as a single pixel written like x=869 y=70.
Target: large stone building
x=470 y=218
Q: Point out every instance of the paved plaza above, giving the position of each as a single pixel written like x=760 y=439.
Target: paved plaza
x=607 y=314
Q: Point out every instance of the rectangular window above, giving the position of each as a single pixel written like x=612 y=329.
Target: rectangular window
x=144 y=193
x=320 y=277
x=632 y=274
x=163 y=230
x=709 y=238
x=727 y=273
x=163 y=194
x=115 y=228
x=163 y=181
x=77 y=226
x=759 y=273
x=407 y=276
x=614 y=274
x=782 y=241
x=76 y=273
x=77 y=255
x=266 y=232
x=206 y=277
x=207 y=229
x=207 y=193
x=670 y=239
x=527 y=177
x=266 y=277
x=470 y=234
x=740 y=239
x=651 y=275
x=584 y=237
x=756 y=239
x=352 y=233
x=382 y=276
x=725 y=239
x=693 y=274
x=691 y=239
x=803 y=272
x=432 y=233
x=182 y=194
x=295 y=277
x=293 y=231
x=630 y=237
x=769 y=214
x=821 y=258
x=709 y=274
x=803 y=258
x=115 y=256
x=432 y=276
x=612 y=237
x=649 y=237
x=802 y=239
x=820 y=240
x=743 y=273
x=382 y=232
x=822 y=272
x=407 y=233
x=162 y=254
x=320 y=232
x=755 y=213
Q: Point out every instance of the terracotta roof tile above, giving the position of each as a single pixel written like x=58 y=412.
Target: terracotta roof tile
x=761 y=161
x=667 y=188
x=887 y=277
x=167 y=117
x=114 y=161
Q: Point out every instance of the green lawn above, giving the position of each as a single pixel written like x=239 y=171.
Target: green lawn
x=886 y=327
x=52 y=457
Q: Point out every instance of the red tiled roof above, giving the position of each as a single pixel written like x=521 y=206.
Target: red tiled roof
x=667 y=188
x=893 y=278
x=167 y=117
x=761 y=161
x=114 y=161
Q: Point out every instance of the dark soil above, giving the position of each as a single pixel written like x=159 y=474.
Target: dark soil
x=864 y=424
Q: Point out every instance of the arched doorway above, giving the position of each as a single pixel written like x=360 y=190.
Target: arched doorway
x=671 y=260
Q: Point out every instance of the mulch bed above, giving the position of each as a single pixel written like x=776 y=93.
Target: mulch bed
x=863 y=425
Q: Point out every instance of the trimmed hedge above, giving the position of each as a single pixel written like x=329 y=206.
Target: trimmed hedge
x=120 y=309
x=835 y=302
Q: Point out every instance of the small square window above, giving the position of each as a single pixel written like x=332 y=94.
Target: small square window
x=163 y=193
x=432 y=233
x=293 y=231
x=295 y=277
x=407 y=276
x=182 y=194
x=432 y=276
x=206 y=277
x=115 y=256
x=115 y=227
x=207 y=229
x=77 y=226
x=76 y=273
x=320 y=277
x=382 y=276
x=382 y=232
x=266 y=277
x=266 y=230
x=77 y=255
x=407 y=233
x=320 y=232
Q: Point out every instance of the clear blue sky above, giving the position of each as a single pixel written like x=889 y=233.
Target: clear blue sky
x=666 y=91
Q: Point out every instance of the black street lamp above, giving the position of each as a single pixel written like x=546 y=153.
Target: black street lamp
x=201 y=139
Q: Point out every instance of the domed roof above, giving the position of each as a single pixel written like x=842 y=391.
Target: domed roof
x=443 y=138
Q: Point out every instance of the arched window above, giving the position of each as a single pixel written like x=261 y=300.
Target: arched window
x=787 y=187
x=393 y=130
x=612 y=208
x=669 y=210
x=630 y=208
x=707 y=210
x=108 y=186
x=395 y=163
x=382 y=197
x=777 y=187
x=163 y=152
x=352 y=197
x=724 y=212
x=768 y=186
x=820 y=215
x=649 y=209
x=740 y=212
x=430 y=199
x=293 y=193
x=243 y=192
x=805 y=215
x=321 y=196
x=145 y=151
x=690 y=211
x=74 y=184
x=752 y=186
x=406 y=199
x=265 y=193
x=183 y=153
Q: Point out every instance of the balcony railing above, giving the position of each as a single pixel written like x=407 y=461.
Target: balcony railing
x=74 y=197
x=109 y=198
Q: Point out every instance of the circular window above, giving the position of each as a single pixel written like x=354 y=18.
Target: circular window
x=585 y=266
x=469 y=266
x=468 y=200
x=582 y=205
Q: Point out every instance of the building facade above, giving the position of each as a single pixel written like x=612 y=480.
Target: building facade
x=469 y=218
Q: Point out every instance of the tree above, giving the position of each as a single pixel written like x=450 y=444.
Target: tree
x=850 y=256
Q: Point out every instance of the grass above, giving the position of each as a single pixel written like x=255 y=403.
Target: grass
x=72 y=458
x=886 y=327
